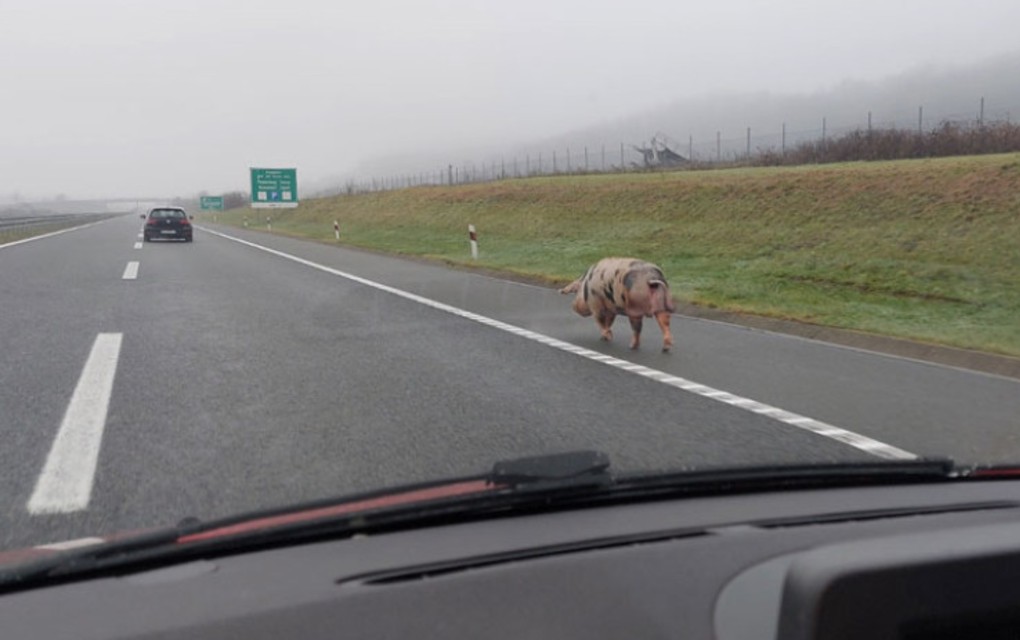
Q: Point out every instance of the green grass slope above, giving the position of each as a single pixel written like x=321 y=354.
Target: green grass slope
x=922 y=249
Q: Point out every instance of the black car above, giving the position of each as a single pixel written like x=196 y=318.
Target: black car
x=167 y=223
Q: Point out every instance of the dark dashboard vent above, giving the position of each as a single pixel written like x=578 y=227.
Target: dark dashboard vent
x=882 y=514
x=436 y=569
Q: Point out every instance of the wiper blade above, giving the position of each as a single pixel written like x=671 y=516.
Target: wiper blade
x=574 y=470
x=785 y=477
x=574 y=479
x=84 y=559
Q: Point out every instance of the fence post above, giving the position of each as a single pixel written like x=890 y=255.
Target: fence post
x=554 y=161
x=690 y=148
x=749 y=144
x=586 y=158
x=784 y=139
x=920 y=119
x=622 y=168
x=981 y=114
x=718 y=146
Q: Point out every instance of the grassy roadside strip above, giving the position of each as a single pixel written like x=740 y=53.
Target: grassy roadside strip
x=13 y=234
x=921 y=249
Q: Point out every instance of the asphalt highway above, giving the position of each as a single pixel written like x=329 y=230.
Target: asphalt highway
x=141 y=383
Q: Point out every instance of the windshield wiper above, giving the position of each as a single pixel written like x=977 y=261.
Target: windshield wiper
x=576 y=470
x=524 y=485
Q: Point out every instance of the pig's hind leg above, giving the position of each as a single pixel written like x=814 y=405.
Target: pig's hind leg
x=667 y=336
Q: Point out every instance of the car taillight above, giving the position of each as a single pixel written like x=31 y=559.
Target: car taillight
x=152 y=221
x=184 y=221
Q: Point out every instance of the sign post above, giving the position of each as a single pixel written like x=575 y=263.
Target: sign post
x=273 y=188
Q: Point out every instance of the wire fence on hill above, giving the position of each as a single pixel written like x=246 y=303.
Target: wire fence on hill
x=987 y=130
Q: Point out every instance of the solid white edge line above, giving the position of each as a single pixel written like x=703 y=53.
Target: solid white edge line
x=65 y=483
x=131 y=271
x=856 y=440
x=52 y=233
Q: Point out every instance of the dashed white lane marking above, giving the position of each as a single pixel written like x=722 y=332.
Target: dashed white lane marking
x=856 y=440
x=140 y=235
x=71 y=544
x=138 y=245
x=131 y=271
x=65 y=483
x=50 y=235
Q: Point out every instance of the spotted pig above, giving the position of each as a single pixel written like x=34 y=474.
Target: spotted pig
x=624 y=286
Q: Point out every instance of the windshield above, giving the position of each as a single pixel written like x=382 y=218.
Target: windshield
x=255 y=255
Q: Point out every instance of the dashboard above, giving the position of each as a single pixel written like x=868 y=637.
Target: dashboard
x=910 y=562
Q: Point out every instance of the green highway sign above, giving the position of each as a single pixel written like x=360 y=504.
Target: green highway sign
x=273 y=188
x=212 y=203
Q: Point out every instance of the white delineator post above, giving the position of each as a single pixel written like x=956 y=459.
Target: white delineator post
x=269 y=223
x=336 y=229
x=473 y=237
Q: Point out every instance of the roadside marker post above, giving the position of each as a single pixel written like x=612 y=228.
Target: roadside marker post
x=473 y=237
x=269 y=223
x=336 y=229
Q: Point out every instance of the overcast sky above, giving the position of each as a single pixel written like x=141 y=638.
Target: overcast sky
x=154 y=98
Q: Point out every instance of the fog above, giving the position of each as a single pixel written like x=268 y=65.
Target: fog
x=160 y=99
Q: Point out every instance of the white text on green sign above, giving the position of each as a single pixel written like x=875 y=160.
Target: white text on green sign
x=273 y=188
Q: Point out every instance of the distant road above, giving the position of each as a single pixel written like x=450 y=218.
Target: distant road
x=145 y=382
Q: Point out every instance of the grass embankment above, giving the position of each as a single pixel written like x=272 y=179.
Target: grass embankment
x=13 y=234
x=922 y=249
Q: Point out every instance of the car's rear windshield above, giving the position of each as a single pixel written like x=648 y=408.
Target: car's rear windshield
x=166 y=213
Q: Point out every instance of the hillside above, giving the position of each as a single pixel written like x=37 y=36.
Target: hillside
x=924 y=249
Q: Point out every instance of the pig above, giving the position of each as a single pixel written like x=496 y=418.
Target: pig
x=625 y=286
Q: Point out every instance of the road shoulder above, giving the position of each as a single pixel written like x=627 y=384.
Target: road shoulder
x=984 y=362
